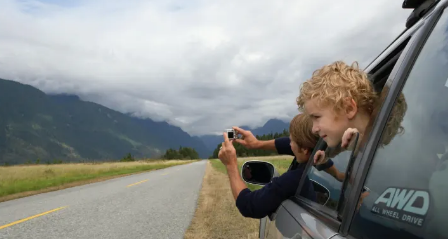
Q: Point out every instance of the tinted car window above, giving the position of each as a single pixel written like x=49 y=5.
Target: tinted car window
x=408 y=178
x=330 y=196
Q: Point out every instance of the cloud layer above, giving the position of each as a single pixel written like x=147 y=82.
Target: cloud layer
x=200 y=65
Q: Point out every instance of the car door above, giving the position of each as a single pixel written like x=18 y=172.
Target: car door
x=283 y=224
x=267 y=224
x=302 y=218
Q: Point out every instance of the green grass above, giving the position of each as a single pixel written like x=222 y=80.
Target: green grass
x=281 y=164
x=18 y=179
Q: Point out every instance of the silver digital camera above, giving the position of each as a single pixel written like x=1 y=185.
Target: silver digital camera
x=232 y=134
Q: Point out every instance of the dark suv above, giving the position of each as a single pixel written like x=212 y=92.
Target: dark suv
x=392 y=190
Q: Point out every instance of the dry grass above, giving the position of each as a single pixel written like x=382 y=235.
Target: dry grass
x=281 y=163
x=216 y=215
x=25 y=180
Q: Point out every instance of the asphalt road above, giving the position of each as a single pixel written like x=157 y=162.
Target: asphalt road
x=157 y=204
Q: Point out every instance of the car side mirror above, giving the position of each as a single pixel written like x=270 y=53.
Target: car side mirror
x=258 y=172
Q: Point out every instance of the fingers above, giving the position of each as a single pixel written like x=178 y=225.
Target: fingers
x=319 y=157
x=240 y=141
x=226 y=139
x=221 y=150
x=316 y=156
x=240 y=130
x=346 y=138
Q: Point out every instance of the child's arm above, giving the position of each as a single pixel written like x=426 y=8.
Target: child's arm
x=321 y=157
x=333 y=171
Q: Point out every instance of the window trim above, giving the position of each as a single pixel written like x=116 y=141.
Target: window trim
x=392 y=88
x=393 y=46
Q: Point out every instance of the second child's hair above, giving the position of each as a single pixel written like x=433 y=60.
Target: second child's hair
x=300 y=129
x=333 y=83
x=394 y=122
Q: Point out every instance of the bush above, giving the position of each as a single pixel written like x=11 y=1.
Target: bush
x=182 y=153
x=127 y=158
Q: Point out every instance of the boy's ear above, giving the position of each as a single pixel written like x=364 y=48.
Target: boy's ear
x=305 y=151
x=351 y=108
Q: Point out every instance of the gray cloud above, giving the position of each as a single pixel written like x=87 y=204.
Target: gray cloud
x=200 y=65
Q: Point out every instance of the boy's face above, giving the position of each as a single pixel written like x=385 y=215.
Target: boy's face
x=302 y=155
x=329 y=124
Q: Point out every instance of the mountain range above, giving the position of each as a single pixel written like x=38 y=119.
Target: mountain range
x=37 y=126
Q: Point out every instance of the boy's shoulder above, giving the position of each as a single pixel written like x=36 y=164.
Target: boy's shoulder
x=282 y=145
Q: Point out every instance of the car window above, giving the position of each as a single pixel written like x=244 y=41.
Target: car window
x=326 y=186
x=408 y=179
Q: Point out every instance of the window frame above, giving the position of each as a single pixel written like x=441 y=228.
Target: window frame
x=392 y=89
x=363 y=160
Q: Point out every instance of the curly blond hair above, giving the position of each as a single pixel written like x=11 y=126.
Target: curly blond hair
x=334 y=83
x=393 y=125
x=300 y=129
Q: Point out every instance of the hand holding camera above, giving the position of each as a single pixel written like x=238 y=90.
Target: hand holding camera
x=227 y=153
x=247 y=139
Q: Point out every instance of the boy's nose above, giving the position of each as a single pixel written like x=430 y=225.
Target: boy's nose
x=315 y=129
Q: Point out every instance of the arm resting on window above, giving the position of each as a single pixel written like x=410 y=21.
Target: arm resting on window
x=264 y=201
x=333 y=171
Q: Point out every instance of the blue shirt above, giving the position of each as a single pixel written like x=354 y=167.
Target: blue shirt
x=265 y=201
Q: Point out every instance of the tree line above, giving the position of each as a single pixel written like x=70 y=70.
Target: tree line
x=241 y=151
x=182 y=153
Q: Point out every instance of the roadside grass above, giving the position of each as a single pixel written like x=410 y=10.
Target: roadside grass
x=216 y=215
x=25 y=180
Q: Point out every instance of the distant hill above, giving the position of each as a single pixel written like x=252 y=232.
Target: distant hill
x=271 y=126
x=34 y=125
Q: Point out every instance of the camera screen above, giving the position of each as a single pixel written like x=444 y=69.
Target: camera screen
x=229 y=135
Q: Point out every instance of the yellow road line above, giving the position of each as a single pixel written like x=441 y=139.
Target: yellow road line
x=137 y=183
x=28 y=218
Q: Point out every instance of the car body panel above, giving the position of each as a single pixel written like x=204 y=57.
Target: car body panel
x=292 y=221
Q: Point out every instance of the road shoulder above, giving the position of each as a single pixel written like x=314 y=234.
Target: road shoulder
x=216 y=215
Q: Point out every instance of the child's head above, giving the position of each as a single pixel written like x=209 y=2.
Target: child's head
x=302 y=138
x=337 y=97
x=394 y=123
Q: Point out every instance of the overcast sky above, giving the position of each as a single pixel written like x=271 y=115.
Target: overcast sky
x=200 y=65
